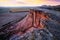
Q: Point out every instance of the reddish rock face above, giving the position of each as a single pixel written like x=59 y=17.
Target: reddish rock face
x=32 y=27
x=38 y=18
x=33 y=19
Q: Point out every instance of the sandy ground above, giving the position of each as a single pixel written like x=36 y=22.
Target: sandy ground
x=8 y=17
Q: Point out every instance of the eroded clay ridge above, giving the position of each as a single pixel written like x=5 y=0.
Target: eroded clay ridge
x=35 y=19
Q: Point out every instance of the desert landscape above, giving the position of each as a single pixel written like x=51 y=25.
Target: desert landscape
x=30 y=23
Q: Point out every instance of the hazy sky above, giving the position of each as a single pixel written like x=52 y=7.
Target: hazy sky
x=11 y=3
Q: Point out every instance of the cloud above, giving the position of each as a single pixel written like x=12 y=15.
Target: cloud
x=54 y=0
x=21 y=2
x=28 y=2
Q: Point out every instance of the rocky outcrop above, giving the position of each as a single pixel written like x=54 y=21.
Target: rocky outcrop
x=37 y=25
x=34 y=34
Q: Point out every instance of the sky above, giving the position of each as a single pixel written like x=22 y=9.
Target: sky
x=14 y=3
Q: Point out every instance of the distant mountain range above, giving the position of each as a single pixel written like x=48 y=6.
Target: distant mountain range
x=57 y=8
x=7 y=9
x=15 y=9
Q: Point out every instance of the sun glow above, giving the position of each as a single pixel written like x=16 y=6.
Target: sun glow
x=27 y=2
